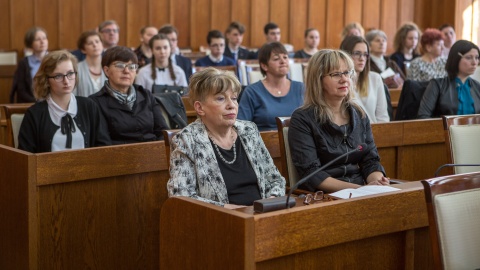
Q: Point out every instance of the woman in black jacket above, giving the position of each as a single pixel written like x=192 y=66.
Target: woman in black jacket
x=132 y=113
x=456 y=94
x=330 y=124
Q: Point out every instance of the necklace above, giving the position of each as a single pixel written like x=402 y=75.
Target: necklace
x=220 y=153
x=95 y=74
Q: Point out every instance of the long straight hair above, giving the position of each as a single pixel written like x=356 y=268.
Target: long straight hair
x=321 y=64
x=362 y=79
x=154 y=64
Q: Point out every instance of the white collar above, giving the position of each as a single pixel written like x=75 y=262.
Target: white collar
x=56 y=112
x=216 y=60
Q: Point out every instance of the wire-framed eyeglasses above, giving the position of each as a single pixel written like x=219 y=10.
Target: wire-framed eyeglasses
x=336 y=76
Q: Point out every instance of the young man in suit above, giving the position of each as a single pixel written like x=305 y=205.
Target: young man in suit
x=234 y=35
x=216 y=43
x=185 y=63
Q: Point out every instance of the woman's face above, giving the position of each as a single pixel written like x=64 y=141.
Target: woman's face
x=336 y=85
x=218 y=111
x=121 y=75
x=40 y=43
x=468 y=63
x=66 y=83
x=360 y=56
x=148 y=34
x=436 y=48
x=411 y=40
x=354 y=32
x=449 y=36
x=277 y=65
x=313 y=39
x=378 y=46
x=161 y=49
x=93 y=46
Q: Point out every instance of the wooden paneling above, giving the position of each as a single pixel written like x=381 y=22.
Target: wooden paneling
x=65 y=20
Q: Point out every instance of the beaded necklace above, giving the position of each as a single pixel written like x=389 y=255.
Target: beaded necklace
x=220 y=153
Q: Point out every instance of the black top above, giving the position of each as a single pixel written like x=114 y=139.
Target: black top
x=242 y=53
x=37 y=129
x=400 y=59
x=301 y=54
x=22 y=83
x=313 y=144
x=141 y=124
x=185 y=64
x=239 y=177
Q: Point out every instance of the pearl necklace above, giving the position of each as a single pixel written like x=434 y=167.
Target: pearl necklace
x=220 y=153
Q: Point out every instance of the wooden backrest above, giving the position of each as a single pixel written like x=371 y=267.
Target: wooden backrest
x=470 y=125
x=11 y=109
x=453 y=207
x=288 y=169
x=167 y=137
x=232 y=69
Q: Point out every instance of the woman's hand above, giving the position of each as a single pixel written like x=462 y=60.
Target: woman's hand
x=377 y=178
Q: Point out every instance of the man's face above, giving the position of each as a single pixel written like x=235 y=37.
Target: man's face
x=217 y=47
x=235 y=38
x=173 y=41
x=273 y=35
x=110 y=36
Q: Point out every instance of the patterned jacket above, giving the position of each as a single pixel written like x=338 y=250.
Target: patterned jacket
x=194 y=170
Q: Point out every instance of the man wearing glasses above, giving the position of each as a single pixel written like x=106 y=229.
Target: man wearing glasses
x=216 y=43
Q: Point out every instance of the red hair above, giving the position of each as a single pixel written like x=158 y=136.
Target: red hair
x=430 y=36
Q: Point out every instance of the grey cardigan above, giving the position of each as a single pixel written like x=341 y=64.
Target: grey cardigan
x=85 y=86
x=441 y=98
x=194 y=170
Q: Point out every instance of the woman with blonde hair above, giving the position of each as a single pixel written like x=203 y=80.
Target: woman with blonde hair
x=329 y=124
x=60 y=121
x=353 y=29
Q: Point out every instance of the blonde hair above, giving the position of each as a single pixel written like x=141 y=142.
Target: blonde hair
x=212 y=81
x=401 y=35
x=350 y=26
x=49 y=63
x=319 y=66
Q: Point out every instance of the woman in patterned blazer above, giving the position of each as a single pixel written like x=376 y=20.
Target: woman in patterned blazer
x=219 y=159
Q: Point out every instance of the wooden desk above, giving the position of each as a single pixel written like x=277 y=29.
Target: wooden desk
x=388 y=231
x=96 y=208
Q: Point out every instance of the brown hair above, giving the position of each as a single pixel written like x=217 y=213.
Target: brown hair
x=362 y=81
x=30 y=35
x=82 y=40
x=266 y=52
x=401 y=35
x=49 y=63
x=153 y=65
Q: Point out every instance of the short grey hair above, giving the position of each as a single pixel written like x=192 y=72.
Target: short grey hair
x=372 y=34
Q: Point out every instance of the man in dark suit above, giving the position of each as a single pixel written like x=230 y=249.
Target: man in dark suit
x=185 y=63
x=216 y=43
x=234 y=35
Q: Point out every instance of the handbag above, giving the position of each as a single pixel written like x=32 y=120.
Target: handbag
x=159 y=89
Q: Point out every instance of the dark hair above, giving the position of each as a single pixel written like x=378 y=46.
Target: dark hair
x=460 y=47
x=236 y=25
x=82 y=40
x=107 y=23
x=167 y=29
x=118 y=53
x=214 y=34
x=446 y=25
x=310 y=30
x=30 y=35
x=266 y=51
x=347 y=45
x=269 y=26
x=144 y=29
x=153 y=65
x=429 y=37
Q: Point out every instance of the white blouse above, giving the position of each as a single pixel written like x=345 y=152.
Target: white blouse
x=144 y=77
x=375 y=104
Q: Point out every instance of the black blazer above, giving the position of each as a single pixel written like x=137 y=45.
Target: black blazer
x=410 y=98
x=22 y=84
x=186 y=64
x=242 y=53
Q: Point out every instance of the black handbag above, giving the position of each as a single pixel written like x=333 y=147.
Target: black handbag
x=159 y=89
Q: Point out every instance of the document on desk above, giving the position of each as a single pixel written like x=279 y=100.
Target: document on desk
x=362 y=191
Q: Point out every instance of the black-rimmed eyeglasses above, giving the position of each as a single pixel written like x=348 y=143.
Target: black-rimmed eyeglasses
x=60 y=77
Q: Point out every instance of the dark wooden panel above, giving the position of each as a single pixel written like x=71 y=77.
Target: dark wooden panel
x=69 y=21
x=200 y=23
x=298 y=23
x=388 y=21
x=92 y=14
x=260 y=11
x=353 y=11
x=317 y=12
x=334 y=23
x=241 y=13
x=22 y=12
x=371 y=9
x=221 y=14
x=5 y=19
x=279 y=14
x=182 y=19
x=406 y=12
x=116 y=10
x=136 y=22
x=160 y=13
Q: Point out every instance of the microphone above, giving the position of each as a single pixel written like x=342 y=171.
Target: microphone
x=361 y=147
x=454 y=165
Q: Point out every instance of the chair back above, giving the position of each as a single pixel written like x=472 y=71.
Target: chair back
x=167 y=138
x=453 y=207
x=461 y=140
x=12 y=131
x=243 y=65
x=8 y=58
x=254 y=74
x=232 y=69
x=288 y=169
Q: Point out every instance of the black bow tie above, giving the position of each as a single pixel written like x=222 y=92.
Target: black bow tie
x=67 y=127
x=161 y=69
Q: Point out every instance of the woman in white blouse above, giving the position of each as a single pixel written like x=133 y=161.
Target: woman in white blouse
x=369 y=90
x=90 y=74
x=161 y=71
